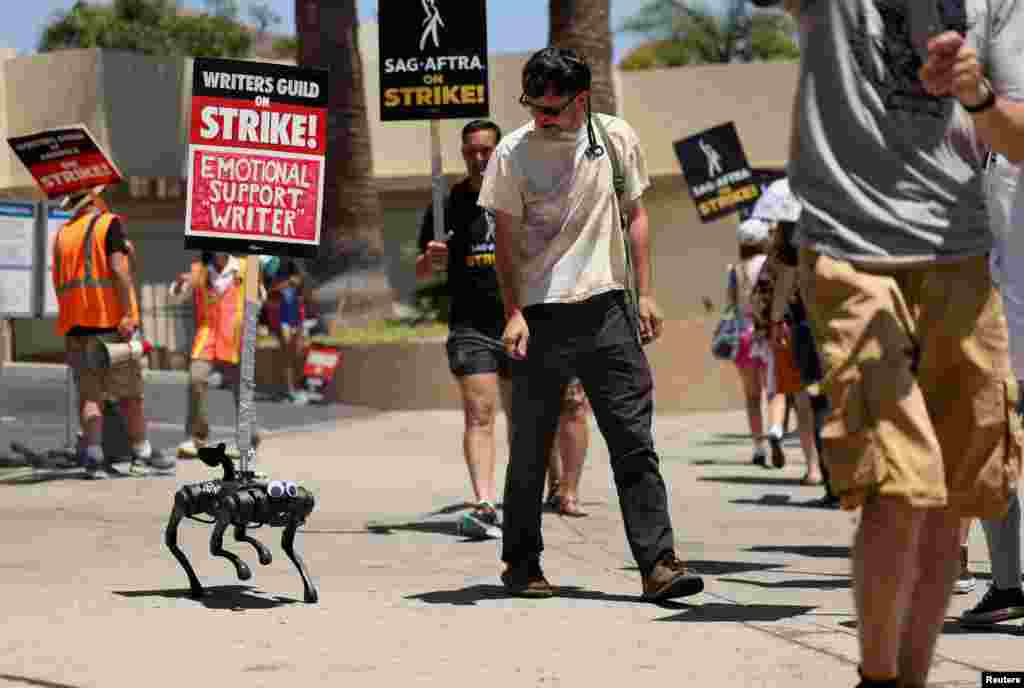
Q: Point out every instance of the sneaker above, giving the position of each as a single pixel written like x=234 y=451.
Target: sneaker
x=526 y=579
x=965 y=582
x=95 y=470
x=189 y=449
x=670 y=579
x=479 y=523
x=778 y=456
x=759 y=458
x=298 y=397
x=486 y=512
x=996 y=606
x=157 y=463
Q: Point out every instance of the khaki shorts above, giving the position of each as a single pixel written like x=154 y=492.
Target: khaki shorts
x=123 y=381
x=918 y=378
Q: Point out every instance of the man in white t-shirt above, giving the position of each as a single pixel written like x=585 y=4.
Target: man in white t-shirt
x=562 y=268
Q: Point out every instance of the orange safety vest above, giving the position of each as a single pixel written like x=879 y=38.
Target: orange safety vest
x=218 y=316
x=82 y=275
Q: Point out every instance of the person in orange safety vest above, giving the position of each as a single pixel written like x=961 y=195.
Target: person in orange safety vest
x=92 y=277
x=218 y=299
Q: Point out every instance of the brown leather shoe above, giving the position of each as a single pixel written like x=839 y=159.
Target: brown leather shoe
x=670 y=579
x=525 y=579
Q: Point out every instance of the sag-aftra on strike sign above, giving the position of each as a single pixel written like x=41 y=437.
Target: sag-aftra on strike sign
x=258 y=142
x=433 y=59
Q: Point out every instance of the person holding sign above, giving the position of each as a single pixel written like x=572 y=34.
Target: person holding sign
x=476 y=318
x=218 y=299
x=92 y=276
x=562 y=269
x=893 y=265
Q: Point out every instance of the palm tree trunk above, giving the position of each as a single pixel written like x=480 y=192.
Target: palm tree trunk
x=352 y=235
x=585 y=26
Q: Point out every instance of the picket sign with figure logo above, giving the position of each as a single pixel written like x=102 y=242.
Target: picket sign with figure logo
x=433 y=68
x=717 y=172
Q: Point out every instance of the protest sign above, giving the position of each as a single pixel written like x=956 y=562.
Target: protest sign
x=65 y=161
x=716 y=169
x=433 y=59
x=257 y=149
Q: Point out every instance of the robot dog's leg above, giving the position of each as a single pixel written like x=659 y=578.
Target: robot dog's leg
x=171 y=540
x=288 y=545
x=217 y=545
x=265 y=556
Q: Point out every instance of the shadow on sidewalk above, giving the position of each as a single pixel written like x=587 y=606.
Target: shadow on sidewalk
x=953 y=627
x=711 y=612
x=767 y=479
x=705 y=567
x=787 y=501
x=839 y=551
x=231 y=597
x=477 y=593
x=796 y=583
x=38 y=682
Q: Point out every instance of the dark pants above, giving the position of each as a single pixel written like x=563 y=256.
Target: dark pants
x=593 y=341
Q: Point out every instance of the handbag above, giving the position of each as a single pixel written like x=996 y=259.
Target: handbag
x=725 y=341
x=619 y=186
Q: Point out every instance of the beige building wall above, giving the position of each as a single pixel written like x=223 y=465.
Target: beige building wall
x=139 y=107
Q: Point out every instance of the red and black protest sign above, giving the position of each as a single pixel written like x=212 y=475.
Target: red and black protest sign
x=433 y=59
x=716 y=169
x=257 y=148
x=65 y=161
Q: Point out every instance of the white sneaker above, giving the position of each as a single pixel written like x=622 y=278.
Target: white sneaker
x=189 y=449
x=964 y=584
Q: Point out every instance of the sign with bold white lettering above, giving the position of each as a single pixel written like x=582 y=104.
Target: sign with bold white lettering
x=257 y=149
x=65 y=161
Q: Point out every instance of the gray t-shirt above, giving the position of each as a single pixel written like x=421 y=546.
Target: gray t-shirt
x=886 y=172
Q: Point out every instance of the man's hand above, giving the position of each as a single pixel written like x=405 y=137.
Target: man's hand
x=126 y=328
x=651 y=320
x=516 y=336
x=953 y=69
x=437 y=255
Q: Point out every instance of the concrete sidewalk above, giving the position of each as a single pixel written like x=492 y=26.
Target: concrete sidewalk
x=92 y=598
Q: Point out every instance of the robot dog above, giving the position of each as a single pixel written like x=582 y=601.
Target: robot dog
x=240 y=500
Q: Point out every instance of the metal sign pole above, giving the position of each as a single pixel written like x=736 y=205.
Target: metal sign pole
x=247 y=364
x=437 y=184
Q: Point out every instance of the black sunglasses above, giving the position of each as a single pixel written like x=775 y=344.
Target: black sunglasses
x=544 y=109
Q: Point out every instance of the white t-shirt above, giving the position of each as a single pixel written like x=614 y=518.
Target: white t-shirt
x=569 y=245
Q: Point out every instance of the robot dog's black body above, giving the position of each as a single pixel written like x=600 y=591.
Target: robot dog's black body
x=239 y=500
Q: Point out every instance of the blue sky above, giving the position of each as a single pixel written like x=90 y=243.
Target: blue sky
x=523 y=23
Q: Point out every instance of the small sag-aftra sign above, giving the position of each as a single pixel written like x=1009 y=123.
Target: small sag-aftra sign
x=433 y=59
x=65 y=161
x=717 y=172
x=256 y=157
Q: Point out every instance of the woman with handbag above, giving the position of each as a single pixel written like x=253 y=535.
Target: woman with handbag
x=750 y=353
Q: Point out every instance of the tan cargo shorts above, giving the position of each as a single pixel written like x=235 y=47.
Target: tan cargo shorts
x=123 y=381
x=917 y=373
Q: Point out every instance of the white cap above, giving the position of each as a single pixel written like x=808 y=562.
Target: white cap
x=777 y=204
x=752 y=231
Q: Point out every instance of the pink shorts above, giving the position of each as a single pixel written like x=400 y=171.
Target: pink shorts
x=745 y=357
